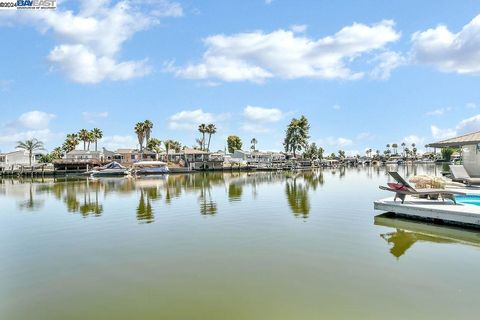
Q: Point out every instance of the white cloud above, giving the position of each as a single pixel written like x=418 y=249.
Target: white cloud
x=469 y=125
x=419 y=141
x=92 y=117
x=336 y=107
x=471 y=105
x=386 y=62
x=449 y=52
x=268 y=1
x=91 y=38
x=260 y=114
x=35 y=120
x=190 y=119
x=298 y=28
x=43 y=135
x=438 y=112
x=29 y=125
x=257 y=56
x=438 y=133
x=83 y=66
x=118 y=141
x=332 y=141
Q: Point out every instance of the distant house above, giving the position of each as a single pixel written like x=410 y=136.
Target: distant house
x=102 y=156
x=194 y=159
x=18 y=158
x=129 y=156
x=83 y=160
x=259 y=157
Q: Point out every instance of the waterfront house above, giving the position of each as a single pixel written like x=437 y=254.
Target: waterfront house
x=259 y=157
x=469 y=145
x=16 y=159
x=129 y=156
x=194 y=159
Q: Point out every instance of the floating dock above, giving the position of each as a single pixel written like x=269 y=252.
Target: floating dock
x=432 y=210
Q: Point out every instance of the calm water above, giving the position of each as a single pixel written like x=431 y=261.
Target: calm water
x=228 y=246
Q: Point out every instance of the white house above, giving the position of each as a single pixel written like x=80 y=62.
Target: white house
x=15 y=159
x=103 y=155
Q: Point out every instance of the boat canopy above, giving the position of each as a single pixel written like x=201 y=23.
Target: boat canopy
x=149 y=163
x=113 y=165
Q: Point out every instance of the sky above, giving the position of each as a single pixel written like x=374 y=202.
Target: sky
x=365 y=73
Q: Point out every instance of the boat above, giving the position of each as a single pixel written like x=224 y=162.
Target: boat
x=112 y=169
x=150 y=167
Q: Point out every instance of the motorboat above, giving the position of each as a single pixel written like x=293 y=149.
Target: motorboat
x=149 y=167
x=112 y=169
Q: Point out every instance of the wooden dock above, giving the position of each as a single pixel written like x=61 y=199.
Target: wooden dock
x=432 y=210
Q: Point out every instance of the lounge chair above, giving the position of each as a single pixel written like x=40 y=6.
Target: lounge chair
x=459 y=174
x=406 y=189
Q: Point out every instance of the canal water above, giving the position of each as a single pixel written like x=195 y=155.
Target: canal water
x=303 y=245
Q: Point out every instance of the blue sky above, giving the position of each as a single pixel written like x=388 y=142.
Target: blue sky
x=365 y=73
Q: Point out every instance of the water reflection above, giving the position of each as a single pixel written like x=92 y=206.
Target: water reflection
x=297 y=191
x=88 y=197
x=408 y=232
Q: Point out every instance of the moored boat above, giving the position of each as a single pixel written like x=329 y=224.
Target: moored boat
x=111 y=169
x=150 y=167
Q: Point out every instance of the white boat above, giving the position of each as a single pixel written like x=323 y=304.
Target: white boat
x=111 y=169
x=150 y=167
x=395 y=160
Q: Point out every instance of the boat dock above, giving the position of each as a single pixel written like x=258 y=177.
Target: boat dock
x=432 y=210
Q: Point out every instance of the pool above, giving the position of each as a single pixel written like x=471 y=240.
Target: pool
x=469 y=199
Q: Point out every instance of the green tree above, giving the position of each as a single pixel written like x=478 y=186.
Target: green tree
x=211 y=129
x=97 y=135
x=71 y=142
x=30 y=146
x=234 y=143
x=84 y=135
x=447 y=153
x=296 y=135
x=140 y=131
x=147 y=126
x=203 y=129
x=254 y=143
x=395 y=146
x=154 y=144
x=341 y=154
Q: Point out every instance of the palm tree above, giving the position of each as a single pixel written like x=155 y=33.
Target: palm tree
x=395 y=146
x=147 y=126
x=203 y=129
x=199 y=142
x=388 y=147
x=211 y=129
x=30 y=146
x=154 y=144
x=403 y=146
x=91 y=138
x=70 y=143
x=254 y=143
x=97 y=135
x=83 y=135
x=168 y=145
x=140 y=131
